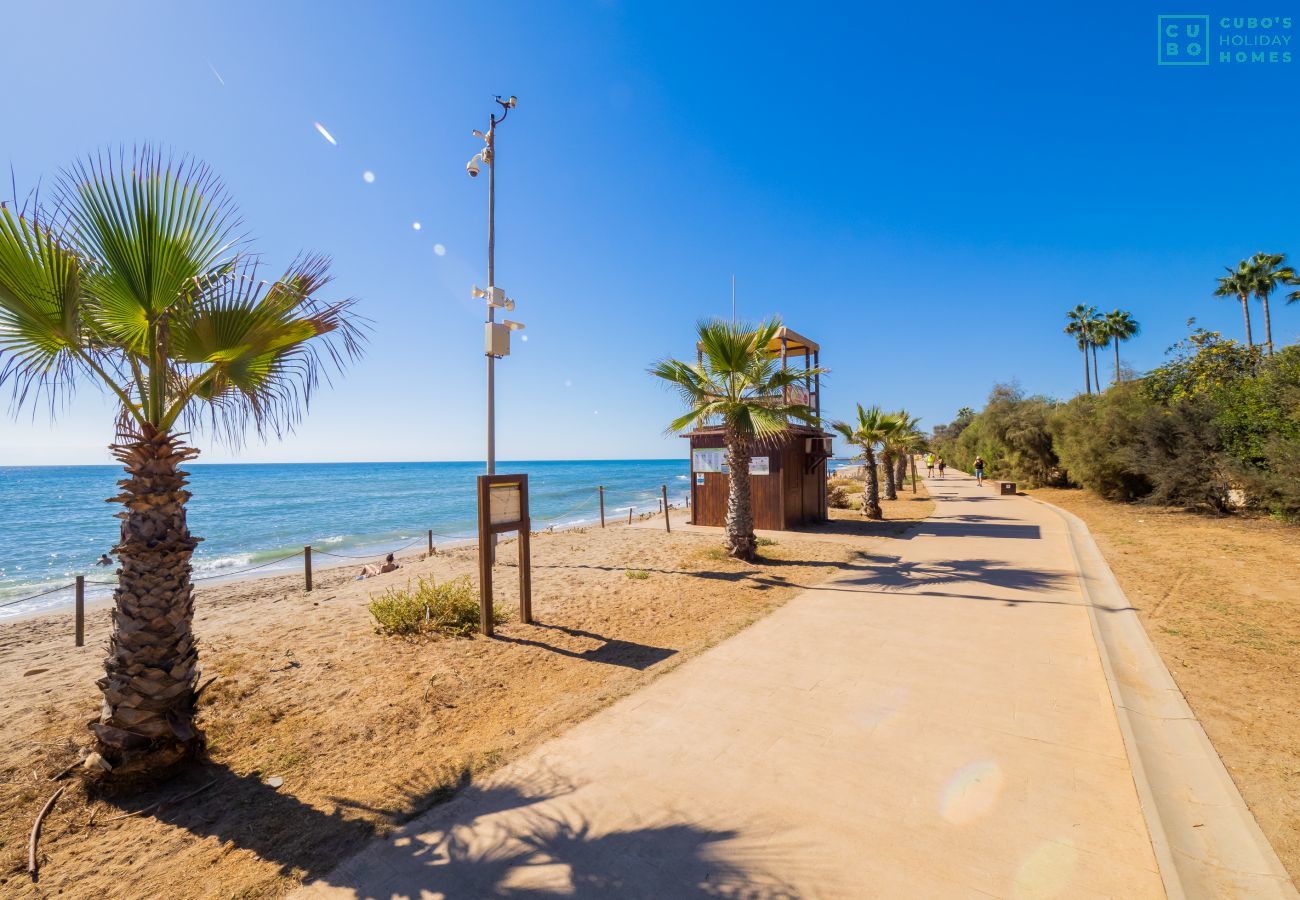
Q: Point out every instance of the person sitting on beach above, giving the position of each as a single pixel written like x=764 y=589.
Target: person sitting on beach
x=104 y=560
x=370 y=570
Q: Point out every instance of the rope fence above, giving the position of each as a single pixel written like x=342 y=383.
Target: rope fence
x=594 y=497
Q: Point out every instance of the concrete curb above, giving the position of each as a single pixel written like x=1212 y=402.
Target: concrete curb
x=1206 y=841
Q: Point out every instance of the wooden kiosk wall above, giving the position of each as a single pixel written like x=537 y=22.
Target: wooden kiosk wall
x=788 y=496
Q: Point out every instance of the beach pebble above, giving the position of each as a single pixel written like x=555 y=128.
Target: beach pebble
x=274 y=781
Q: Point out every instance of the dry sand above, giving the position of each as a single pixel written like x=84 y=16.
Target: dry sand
x=1220 y=598
x=367 y=730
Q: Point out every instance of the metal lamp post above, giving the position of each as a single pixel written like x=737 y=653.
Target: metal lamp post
x=497 y=341
x=496 y=336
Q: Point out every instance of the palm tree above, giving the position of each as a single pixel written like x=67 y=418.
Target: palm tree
x=132 y=280
x=871 y=431
x=902 y=444
x=1239 y=283
x=1269 y=271
x=1082 y=324
x=738 y=384
x=1119 y=325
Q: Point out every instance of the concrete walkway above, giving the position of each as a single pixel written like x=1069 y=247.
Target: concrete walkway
x=932 y=723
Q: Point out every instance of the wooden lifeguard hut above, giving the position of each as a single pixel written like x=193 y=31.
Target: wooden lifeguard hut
x=787 y=473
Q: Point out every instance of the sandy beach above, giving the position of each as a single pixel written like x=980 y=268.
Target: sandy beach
x=366 y=730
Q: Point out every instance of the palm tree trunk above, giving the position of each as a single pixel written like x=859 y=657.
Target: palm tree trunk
x=900 y=471
x=871 y=496
x=1245 y=311
x=147 y=721
x=887 y=464
x=741 y=542
x=1116 y=342
x=1096 y=369
x=1268 y=325
x=1087 y=373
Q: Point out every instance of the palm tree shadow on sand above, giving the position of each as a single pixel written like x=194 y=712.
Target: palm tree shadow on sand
x=542 y=852
x=556 y=851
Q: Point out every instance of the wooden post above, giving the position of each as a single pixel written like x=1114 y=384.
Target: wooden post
x=431 y=542
x=668 y=520
x=484 y=563
x=306 y=565
x=629 y=515
x=601 y=488
x=913 y=474
x=525 y=579
x=81 y=610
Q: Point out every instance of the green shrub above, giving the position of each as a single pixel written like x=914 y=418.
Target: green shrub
x=764 y=542
x=451 y=607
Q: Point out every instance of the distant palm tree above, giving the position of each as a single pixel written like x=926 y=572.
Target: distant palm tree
x=868 y=433
x=1239 y=283
x=902 y=444
x=1119 y=325
x=740 y=385
x=1270 y=271
x=1082 y=324
x=133 y=280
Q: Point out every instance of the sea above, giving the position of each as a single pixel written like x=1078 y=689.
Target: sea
x=255 y=519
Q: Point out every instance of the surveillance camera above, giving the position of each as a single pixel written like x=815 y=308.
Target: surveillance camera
x=472 y=167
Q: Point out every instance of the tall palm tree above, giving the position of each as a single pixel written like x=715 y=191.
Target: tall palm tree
x=133 y=280
x=868 y=433
x=1119 y=325
x=1269 y=271
x=1239 y=283
x=738 y=384
x=1081 y=323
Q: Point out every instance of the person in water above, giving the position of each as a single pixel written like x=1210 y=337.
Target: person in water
x=104 y=560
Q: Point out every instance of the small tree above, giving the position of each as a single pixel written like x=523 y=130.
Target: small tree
x=135 y=281
x=868 y=434
x=738 y=384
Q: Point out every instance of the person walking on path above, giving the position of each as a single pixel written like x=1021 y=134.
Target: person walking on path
x=929 y=465
x=979 y=470
x=942 y=465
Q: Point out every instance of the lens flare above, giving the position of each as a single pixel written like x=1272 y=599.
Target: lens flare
x=439 y=250
x=415 y=225
x=971 y=793
x=1047 y=872
x=325 y=134
x=368 y=176
x=523 y=337
x=568 y=382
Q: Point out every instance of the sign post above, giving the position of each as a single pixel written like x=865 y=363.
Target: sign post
x=502 y=507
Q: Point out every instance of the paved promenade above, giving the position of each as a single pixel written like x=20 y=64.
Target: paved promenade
x=931 y=723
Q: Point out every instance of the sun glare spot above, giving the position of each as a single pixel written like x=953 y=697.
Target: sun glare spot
x=415 y=225
x=971 y=792
x=439 y=250
x=368 y=176
x=1047 y=872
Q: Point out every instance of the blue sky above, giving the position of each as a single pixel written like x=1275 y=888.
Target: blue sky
x=925 y=190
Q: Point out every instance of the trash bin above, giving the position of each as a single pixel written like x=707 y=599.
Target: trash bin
x=1007 y=487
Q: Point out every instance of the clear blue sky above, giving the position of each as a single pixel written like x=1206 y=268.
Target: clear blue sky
x=924 y=189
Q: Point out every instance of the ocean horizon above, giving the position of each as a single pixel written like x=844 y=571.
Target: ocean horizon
x=256 y=514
